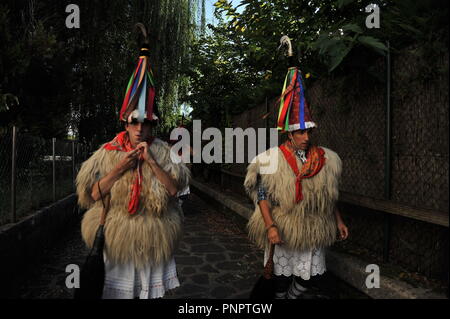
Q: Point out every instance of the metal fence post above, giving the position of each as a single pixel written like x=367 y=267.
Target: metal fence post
x=54 y=167
x=73 y=165
x=13 y=175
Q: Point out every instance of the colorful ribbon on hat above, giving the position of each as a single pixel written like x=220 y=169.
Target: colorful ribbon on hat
x=292 y=96
x=315 y=159
x=140 y=93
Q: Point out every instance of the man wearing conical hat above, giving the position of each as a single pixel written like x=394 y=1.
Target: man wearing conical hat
x=295 y=205
x=143 y=224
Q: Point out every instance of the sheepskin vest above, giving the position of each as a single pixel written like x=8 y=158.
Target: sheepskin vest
x=147 y=237
x=307 y=224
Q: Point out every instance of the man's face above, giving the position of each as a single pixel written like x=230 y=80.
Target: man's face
x=300 y=138
x=138 y=132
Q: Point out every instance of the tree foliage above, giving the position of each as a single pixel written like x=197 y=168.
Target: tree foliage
x=74 y=79
x=237 y=64
x=54 y=79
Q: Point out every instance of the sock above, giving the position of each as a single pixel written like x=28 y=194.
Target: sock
x=295 y=290
x=280 y=295
x=281 y=286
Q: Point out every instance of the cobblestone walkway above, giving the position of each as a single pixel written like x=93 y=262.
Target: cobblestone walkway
x=214 y=260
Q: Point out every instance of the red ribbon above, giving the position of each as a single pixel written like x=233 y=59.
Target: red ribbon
x=315 y=160
x=122 y=143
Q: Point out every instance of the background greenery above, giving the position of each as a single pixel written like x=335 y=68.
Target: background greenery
x=55 y=80
x=236 y=65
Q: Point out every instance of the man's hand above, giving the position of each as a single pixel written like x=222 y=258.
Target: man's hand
x=107 y=182
x=343 y=230
x=129 y=161
x=274 y=236
x=143 y=148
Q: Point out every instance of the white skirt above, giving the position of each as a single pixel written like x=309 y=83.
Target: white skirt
x=124 y=281
x=303 y=264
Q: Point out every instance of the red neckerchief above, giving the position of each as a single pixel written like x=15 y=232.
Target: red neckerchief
x=315 y=160
x=122 y=143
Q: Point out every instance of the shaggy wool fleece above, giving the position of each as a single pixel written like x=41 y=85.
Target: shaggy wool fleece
x=311 y=223
x=147 y=237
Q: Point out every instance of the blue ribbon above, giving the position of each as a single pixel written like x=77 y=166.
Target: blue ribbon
x=302 y=102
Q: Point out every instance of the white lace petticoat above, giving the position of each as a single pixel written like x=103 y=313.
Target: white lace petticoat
x=304 y=264
x=126 y=282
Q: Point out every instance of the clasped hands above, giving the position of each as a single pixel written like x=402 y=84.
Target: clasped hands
x=131 y=159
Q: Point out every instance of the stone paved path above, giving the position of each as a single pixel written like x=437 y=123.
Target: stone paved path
x=214 y=260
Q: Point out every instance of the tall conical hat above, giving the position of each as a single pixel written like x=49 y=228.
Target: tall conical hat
x=139 y=101
x=294 y=113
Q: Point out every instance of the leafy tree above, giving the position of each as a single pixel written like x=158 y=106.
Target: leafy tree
x=74 y=79
x=237 y=65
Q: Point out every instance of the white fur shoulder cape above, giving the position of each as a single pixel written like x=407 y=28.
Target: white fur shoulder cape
x=150 y=235
x=305 y=225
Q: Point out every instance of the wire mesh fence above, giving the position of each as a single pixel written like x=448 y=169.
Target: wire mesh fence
x=419 y=162
x=44 y=173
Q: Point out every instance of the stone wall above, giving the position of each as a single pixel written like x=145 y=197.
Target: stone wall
x=23 y=242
